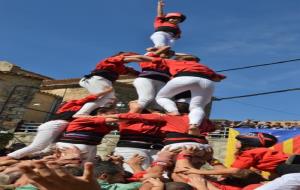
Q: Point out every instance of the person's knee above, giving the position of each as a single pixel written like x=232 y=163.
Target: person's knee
x=159 y=98
x=82 y=82
x=144 y=101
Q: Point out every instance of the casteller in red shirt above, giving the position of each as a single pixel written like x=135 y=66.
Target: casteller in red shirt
x=111 y=67
x=191 y=68
x=76 y=105
x=167 y=123
x=161 y=24
x=264 y=159
x=68 y=109
x=155 y=65
x=85 y=130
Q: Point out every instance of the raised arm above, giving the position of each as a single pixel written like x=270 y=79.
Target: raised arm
x=221 y=171
x=160 y=7
x=138 y=58
x=141 y=117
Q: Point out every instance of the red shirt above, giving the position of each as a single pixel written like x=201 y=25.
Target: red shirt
x=160 y=24
x=75 y=105
x=170 y=123
x=137 y=127
x=96 y=124
x=177 y=66
x=264 y=159
x=166 y=123
x=115 y=64
x=154 y=65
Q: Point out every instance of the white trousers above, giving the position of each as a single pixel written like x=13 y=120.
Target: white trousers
x=201 y=89
x=147 y=90
x=286 y=182
x=161 y=38
x=46 y=134
x=199 y=146
x=94 y=85
x=128 y=152
x=88 y=152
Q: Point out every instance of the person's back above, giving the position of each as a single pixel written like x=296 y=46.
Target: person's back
x=182 y=66
x=261 y=158
x=86 y=131
x=113 y=65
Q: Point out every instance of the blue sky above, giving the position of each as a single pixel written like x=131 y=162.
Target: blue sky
x=65 y=39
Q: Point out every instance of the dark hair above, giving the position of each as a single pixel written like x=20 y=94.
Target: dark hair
x=94 y=112
x=187 y=58
x=74 y=170
x=146 y=111
x=256 y=139
x=177 y=186
x=243 y=178
x=102 y=110
x=106 y=167
x=185 y=94
x=183 y=107
x=170 y=53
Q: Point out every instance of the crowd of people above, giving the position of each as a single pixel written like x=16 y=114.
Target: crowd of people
x=162 y=137
x=248 y=123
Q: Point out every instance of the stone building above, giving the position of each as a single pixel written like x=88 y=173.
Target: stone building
x=28 y=97
x=69 y=89
x=17 y=89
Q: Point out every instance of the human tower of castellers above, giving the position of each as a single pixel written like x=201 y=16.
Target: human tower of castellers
x=162 y=137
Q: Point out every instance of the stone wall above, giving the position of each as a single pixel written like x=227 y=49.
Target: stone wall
x=68 y=93
x=124 y=92
x=219 y=146
x=16 y=93
x=40 y=108
x=17 y=88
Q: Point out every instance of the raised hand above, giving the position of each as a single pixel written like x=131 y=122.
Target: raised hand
x=160 y=6
x=161 y=2
x=166 y=155
x=197 y=182
x=191 y=150
x=53 y=177
x=70 y=153
x=136 y=160
x=156 y=183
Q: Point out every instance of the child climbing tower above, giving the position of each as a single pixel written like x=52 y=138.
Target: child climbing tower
x=166 y=27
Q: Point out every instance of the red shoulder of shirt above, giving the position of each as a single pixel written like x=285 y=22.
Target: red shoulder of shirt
x=265 y=159
x=96 y=120
x=160 y=21
x=75 y=105
x=114 y=59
